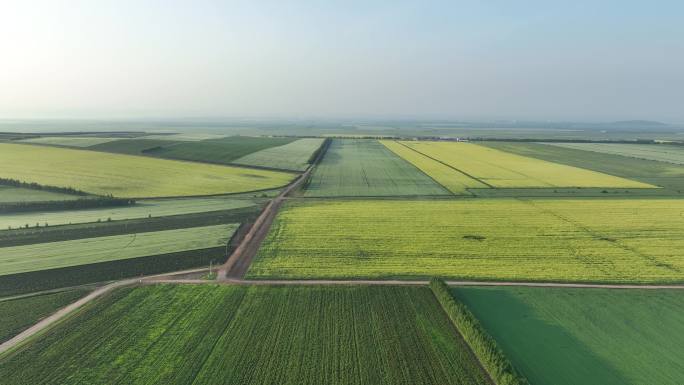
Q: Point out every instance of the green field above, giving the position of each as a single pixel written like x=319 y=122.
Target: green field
x=18 y=314
x=291 y=156
x=367 y=168
x=586 y=336
x=51 y=255
x=11 y=194
x=493 y=239
x=658 y=152
x=137 y=146
x=669 y=176
x=128 y=176
x=213 y=334
x=142 y=209
x=70 y=141
x=501 y=169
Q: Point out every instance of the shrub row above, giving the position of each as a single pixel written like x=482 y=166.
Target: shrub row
x=483 y=345
x=81 y=203
x=27 y=236
x=106 y=271
x=36 y=186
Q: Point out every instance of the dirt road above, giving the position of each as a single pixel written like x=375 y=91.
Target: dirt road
x=61 y=313
x=239 y=261
x=234 y=281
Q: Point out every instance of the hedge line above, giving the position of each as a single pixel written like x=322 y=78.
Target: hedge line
x=494 y=361
x=36 y=186
x=27 y=236
x=21 y=283
x=81 y=203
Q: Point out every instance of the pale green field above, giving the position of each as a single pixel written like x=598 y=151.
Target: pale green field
x=291 y=156
x=585 y=336
x=657 y=152
x=502 y=169
x=51 y=255
x=10 y=194
x=129 y=176
x=142 y=209
x=495 y=239
x=70 y=141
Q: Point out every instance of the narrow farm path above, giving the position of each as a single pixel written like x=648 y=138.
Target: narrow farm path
x=239 y=261
x=61 y=313
x=235 y=281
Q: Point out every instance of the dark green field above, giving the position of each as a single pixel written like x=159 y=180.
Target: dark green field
x=19 y=314
x=132 y=146
x=667 y=175
x=251 y=335
x=586 y=336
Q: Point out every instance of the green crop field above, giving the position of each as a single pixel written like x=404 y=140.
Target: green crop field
x=492 y=239
x=291 y=156
x=454 y=180
x=128 y=176
x=223 y=150
x=211 y=334
x=10 y=194
x=669 y=176
x=502 y=169
x=51 y=255
x=586 y=336
x=70 y=141
x=658 y=152
x=367 y=168
x=142 y=209
x=20 y=313
x=136 y=146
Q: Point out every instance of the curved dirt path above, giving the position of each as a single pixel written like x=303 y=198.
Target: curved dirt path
x=59 y=314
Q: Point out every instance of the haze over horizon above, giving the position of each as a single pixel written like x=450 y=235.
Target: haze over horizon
x=527 y=60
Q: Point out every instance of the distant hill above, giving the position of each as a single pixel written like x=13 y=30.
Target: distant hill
x=639 y=123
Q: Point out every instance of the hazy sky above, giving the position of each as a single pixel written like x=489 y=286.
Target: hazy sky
x=496 y=59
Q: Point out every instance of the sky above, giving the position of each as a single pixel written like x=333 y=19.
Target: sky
x=579 y=60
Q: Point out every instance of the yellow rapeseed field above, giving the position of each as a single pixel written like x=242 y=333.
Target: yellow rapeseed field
x=453 y=180
x=577 y=240
x=503 y=169
x=128 y=176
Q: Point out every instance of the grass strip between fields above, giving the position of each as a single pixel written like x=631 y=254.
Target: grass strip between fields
x=491 y=357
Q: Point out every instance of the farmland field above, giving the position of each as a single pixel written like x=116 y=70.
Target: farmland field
x=502 y=169
x=137 y=146
x=128 y=176
x=142 y=209
x=70 y=141
x=291 y=156
x=670 y=176
x=492 y=239
x=212 y=334
x=658 y=152
x=454 y=180
x=367 y=168
x=51 y=255
x=586 y=336
x=10 y=194
x=224 y=150
x=20 y=313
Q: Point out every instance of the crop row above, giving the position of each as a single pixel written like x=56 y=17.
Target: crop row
x=212 y=334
